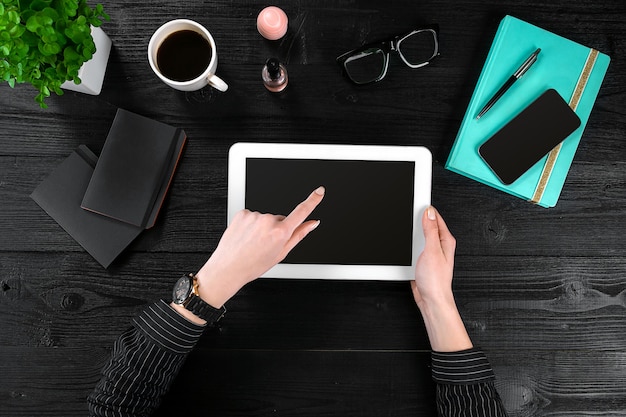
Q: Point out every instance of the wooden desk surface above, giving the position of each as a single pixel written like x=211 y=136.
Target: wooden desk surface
x=543 y=291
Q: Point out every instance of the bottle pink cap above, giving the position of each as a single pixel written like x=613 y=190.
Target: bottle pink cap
x=272 y=23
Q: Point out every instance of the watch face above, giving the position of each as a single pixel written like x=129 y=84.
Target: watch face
x=181 y=290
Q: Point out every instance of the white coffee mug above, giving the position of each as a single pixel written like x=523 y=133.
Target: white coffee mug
x=207 y=77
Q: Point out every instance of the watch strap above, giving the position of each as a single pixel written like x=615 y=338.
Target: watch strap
x=204 y=310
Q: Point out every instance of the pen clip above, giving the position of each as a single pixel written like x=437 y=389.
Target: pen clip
x=527 y=64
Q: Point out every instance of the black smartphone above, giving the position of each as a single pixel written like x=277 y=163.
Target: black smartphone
x=529 y=136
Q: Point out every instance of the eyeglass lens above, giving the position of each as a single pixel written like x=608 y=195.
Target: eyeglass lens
x=366 y=66
x=418 y=48
x=370 y=65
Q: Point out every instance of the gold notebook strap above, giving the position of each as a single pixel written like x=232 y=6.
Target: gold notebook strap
x=573 y=103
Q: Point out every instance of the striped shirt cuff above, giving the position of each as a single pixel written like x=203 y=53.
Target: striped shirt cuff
x=464 y=367
x=160 y=323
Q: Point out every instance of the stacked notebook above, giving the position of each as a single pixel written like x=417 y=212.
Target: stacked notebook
x=104 y=203
x=573 y=70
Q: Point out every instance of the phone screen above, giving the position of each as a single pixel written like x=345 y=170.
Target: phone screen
x=529 y=136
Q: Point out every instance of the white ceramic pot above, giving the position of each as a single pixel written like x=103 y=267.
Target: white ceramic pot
x=92 y=72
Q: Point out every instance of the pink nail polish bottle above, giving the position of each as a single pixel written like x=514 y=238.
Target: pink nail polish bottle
x=272 y=23
x=274 y=76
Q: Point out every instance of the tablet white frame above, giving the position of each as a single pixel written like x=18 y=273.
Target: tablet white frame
x=422 y=158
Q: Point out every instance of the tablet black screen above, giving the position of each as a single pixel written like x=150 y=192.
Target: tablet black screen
x=366 y=215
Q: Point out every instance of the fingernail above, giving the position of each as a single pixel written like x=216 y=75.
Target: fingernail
x=430 y=211
x=320 y=191
x=314 y=225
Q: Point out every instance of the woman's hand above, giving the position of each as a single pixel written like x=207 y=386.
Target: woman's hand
x=432 y=287
x=251 y=245
x=433 y=274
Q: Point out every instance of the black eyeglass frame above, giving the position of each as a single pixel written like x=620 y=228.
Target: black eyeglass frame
x=387 y=46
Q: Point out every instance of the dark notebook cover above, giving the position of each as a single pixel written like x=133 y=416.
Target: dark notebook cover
x=134 y=169
x=60 y=195
x=167 y=179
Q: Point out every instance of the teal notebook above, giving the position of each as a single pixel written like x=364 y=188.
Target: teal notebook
x=573 y=70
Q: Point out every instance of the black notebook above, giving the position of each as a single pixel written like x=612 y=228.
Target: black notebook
x=134 y=170
x=60 y=195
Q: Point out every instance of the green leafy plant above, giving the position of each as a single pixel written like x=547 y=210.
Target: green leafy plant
x=45 y=42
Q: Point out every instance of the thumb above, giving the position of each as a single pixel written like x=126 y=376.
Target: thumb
x=437 y=234
x=431 y=228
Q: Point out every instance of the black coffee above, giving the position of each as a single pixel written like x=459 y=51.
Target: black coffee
x=184 y=55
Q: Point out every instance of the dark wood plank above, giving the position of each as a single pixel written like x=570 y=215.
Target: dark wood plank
x=561 y=383
x=308 y=383
x=551 y=384
x=262 y=383
x=40 y=381
x=508 y=303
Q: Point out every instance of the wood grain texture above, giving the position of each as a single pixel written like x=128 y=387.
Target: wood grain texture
x=508 y=303
x=314 y=383
x=543 y=291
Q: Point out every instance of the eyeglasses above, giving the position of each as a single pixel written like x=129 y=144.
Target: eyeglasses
x=369 y=63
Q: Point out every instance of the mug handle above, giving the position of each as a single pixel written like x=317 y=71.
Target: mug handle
x=217 y=82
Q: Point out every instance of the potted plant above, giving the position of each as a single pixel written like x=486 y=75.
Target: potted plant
x=46 y=42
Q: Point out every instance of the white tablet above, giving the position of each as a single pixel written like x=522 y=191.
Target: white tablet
x=370 y=216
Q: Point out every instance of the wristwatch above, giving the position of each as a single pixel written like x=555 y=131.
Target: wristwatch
x=185 y=293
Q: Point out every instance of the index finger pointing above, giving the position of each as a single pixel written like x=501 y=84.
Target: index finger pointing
x=304 y=209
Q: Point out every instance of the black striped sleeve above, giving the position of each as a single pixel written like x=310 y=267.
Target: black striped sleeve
x=465 y=385
x=464 y=367
x=168 y=329
x=144 y=362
